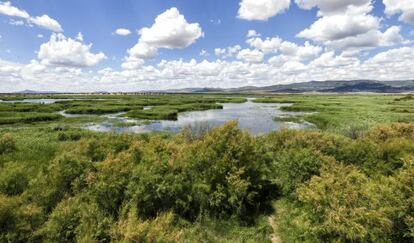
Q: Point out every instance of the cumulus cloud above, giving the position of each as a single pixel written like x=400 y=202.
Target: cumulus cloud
x=329 y=7
x=393 y=64
x=261 y=9
x=251 y=56
x=16 y=22
x=170 y=30
x=227 y=52
x=267 y=45
x=8 y=9
x=252 y=33
x=335 y=27
x=403 y=7
x=204 y=53
x=347 y=24
x=46 y=22
x=43 y=21
x=67 y=52
x=122 y=32
x=289 y=50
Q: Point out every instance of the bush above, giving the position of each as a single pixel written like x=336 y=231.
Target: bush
x=66 y=175
x=160 y=229
x=292 y=167
x=13 y=179
x=223 y=174
x=75 y=220
x=18 y=219
x=7 y=143
x=342 y=204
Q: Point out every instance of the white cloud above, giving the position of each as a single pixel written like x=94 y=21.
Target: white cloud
x=336 y=27
x=393 y=64
x=122 y=32
x=46 y=22
x=8 y=9
x=261 y=9
x=219 y=51
x=40 y=36
x=79 y=37
x=251 y=56
x=143 y=50
x=132 y=63
x=229 y=52
x=43 y=21
x=170 y=30
x=347 y=25
x=290 y=50
x=204 y=53
x=403 y=7
x=267 y=46
x=329 y=7
x=16 y=22
x=67 y=52
x=252 y=33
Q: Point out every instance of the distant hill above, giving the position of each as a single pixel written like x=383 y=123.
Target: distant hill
x=344 y=86
x=28 y=91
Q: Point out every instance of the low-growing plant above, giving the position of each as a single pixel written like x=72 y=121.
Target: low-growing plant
x=7 y=143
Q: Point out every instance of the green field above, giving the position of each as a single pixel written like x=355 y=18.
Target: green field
x=349 y=179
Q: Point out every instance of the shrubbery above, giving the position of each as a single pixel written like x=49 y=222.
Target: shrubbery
x=7 y=143
x=149 y=188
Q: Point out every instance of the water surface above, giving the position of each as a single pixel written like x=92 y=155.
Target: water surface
x=255 y=117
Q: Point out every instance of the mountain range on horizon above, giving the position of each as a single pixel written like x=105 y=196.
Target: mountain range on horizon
x=328 y=86
x=341 y=86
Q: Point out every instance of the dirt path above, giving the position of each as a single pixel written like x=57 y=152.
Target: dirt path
x=274 y=237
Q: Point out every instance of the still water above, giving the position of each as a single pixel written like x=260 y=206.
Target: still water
x=37 y=101
x=255 y=117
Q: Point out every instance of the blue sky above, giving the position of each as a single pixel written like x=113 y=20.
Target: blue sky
x=307 y=40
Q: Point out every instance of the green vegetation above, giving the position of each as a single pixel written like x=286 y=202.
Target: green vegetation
x=338 y=112
x=170 y=112
x=349 y=180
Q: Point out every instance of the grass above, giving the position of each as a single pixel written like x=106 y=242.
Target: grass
x=330 y=112
x=26 y=117
x=170 y=112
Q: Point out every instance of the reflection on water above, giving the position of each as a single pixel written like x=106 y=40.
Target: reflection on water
x=255 y=117
x=39 y=101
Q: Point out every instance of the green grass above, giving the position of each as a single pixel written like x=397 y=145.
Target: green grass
x=170 y=112
x=26 y=117
x=330 y=112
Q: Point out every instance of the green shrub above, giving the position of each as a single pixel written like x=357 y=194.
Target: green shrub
x=342 y=204
x=18 y=219
x=160 y=229
x=13 y=179
x=66 y=175
x=7 y=143
x=293 y=167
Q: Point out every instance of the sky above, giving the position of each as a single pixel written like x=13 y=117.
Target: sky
x=136 y=45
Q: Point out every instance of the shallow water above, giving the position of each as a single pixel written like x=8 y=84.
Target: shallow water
x=255 y=117
x=39 y=101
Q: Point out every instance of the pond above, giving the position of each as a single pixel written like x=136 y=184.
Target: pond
x=37 y=101
x=255 y=117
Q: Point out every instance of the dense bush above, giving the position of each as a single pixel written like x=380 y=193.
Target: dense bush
x=7 y=143
x=211 y=185
x=13 y=179
x=66 y=175
x=223 y=174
